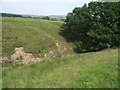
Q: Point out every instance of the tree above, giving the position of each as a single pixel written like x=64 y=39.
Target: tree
x=94 y=26
x=46 y=18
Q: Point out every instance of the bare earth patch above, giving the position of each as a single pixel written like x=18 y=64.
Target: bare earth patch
x=21 y=57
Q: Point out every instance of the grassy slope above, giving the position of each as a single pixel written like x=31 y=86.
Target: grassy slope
x=96 y=69
x=36 y=36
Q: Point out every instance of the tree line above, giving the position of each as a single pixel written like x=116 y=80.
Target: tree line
x=30 y=16
x=94 y=26
x=10 y=15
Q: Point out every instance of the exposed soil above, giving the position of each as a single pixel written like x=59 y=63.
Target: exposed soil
x=21 y=57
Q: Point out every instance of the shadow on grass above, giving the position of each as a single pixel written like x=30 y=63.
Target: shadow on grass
x=61 y=33
x=77 y=51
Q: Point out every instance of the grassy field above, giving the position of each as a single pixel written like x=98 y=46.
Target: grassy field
x=90 y=70
x=34 y=35
x=68 y=70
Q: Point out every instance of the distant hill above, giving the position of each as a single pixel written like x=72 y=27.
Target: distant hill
x=58 y=17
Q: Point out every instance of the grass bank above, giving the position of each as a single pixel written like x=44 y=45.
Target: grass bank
x=89 y=70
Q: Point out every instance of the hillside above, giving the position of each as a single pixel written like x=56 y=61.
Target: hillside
x=90 y=70
x=48 y=61
x=37 y=37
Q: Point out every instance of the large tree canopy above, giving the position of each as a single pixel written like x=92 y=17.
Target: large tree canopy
x=94 y=26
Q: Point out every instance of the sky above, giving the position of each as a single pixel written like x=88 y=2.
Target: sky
x=40 y=7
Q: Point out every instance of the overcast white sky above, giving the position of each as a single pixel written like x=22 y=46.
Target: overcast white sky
x=73 y=1
x=41 y=7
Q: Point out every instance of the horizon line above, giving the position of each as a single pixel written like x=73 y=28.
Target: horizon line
x=32 y=14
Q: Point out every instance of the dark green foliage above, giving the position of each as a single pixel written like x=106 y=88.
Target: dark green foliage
x=46 y=18
x=94 y=26
x=10 y=15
